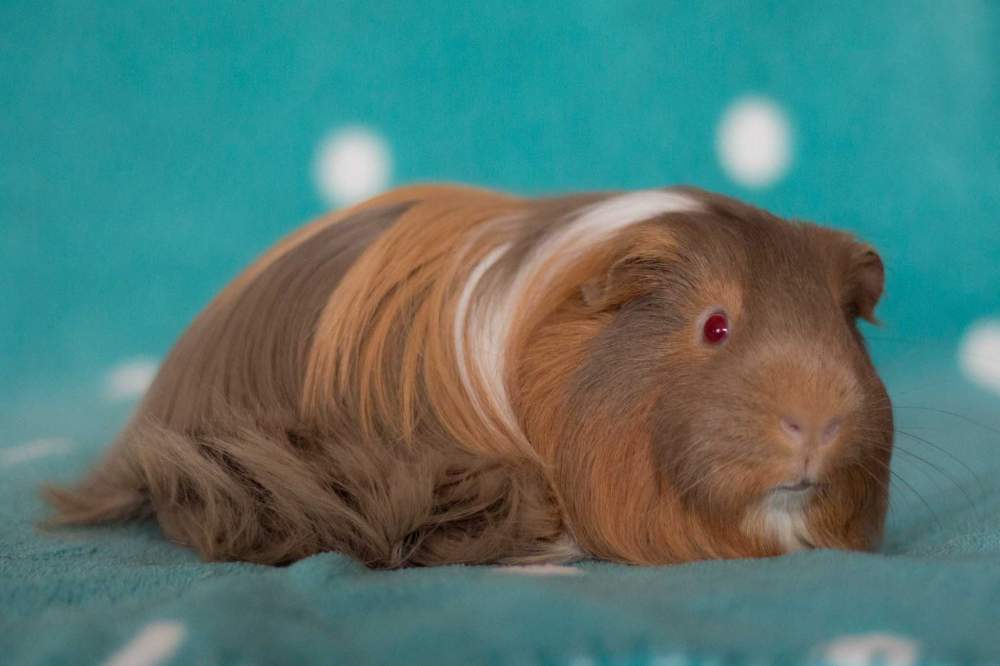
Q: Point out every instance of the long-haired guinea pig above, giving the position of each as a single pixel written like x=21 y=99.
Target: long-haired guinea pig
x=452 y=375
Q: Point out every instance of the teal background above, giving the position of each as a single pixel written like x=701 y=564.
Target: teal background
x=149 y=150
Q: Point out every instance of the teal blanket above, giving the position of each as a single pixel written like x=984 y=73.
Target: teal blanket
x=149 y=150
x=122 y=595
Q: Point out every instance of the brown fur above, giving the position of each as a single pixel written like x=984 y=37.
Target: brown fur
x=319 y=403
x=666 y=429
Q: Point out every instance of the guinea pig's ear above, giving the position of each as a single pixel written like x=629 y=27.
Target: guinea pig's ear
x=866 y=280
x=627 y=278
x=634 y=268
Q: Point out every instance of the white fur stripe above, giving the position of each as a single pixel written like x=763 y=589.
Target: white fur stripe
x=489 y=323
x=598 y=221
x=483 y=340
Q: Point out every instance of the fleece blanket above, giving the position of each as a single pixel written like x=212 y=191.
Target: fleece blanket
x=149 y=150
x=124 y=596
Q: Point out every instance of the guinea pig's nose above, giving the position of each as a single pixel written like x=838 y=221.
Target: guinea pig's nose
x=810 y=431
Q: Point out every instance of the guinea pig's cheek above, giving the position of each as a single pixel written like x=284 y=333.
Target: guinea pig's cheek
x=851 y=449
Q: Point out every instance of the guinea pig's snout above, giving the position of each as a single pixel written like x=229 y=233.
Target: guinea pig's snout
x=806 y=432
x=808 y=435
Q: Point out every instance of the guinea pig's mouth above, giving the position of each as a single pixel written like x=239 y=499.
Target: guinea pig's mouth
x=801 y=487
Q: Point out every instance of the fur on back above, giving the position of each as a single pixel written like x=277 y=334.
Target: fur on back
x=452 y=375
x=234 y=459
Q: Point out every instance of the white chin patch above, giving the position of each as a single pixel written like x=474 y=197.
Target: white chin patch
x=781 y=517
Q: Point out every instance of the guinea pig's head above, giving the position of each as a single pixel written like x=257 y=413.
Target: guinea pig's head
x=725 y=403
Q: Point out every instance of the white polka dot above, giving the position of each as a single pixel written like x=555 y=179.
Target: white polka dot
x=754 y=142
x=352 y=164
x=39 y=448
x=540 y=570
x=129 y=379
x=156 y=642
x=870 y=649
x=979 y=353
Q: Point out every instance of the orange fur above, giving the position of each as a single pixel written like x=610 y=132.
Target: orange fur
x=448 y=374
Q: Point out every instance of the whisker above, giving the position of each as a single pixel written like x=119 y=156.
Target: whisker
x=913 y=490
x=887 y=405
x=953 y=415
x=939 y=470
x=881 y=484
x=691 y=487
x=975 y=477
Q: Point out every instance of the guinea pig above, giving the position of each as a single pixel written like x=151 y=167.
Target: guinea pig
x=445 y=374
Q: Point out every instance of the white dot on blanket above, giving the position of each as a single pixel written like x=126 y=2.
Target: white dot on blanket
x=979 y=353
x=869 y=649
x=540 y=570
x=129 y=379
x=754 y=141
x=39 y=448
x=156 y=642
x=352 y=163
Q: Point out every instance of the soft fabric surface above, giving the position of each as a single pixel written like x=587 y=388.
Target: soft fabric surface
x=148 y=151
x=931 y=597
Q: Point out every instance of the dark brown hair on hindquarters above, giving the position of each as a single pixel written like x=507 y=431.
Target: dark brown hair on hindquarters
x=223 y=455
x=271 y=493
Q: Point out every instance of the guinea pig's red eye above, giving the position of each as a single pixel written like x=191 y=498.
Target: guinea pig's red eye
x=716 y=328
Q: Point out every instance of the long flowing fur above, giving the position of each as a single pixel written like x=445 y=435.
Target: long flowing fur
x=439 y=375
x=274 y=493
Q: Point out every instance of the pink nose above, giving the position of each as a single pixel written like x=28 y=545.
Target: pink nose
x=810 y=432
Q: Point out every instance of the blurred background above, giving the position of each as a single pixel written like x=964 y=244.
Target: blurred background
x=149 y=151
